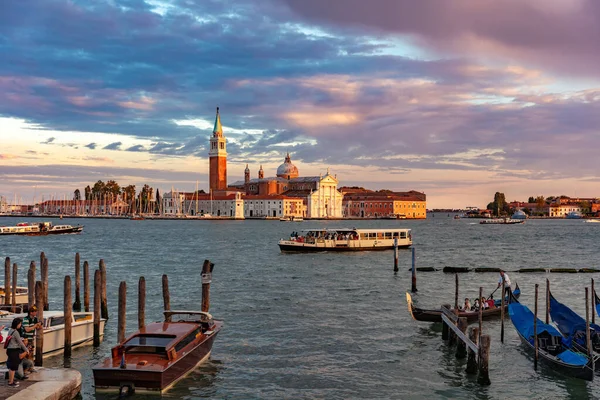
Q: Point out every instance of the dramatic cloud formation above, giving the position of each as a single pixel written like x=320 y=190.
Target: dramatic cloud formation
x=458 y=99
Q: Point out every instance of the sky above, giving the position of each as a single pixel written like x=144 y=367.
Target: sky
x=458 y=99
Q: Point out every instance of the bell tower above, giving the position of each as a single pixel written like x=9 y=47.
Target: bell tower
x=218 y=157
x=247 y=175
x=261 y=173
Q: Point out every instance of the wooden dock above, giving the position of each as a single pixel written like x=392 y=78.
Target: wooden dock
x=44 y=384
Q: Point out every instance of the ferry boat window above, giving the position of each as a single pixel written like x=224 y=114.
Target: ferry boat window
x=388 y=235
x=55 y=321
x=402 y=235
x=187 y=340
x=82 y=317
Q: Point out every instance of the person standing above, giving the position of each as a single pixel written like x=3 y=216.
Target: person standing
x=14 y=350
x=30 y=324
x=506 y=279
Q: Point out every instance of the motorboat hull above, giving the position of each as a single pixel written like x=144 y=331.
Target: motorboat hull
x=114 y=378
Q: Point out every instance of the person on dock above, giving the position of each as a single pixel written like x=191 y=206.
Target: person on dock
x=28 y=328
x=14 y=351
x=506 y=279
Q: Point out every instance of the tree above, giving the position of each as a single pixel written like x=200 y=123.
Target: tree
x=157 y=207
x=77 y=195
x=585 y=206
x=531 y=199
x=145 y=197
x=129 y=193
x=98 y=189
x=112 y=188
x=88 y=192
x=499 y=205
x=540 y=203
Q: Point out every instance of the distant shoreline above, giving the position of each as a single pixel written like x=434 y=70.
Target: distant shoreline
x=174 y=218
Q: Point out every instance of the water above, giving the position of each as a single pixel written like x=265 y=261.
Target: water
x=333 y=326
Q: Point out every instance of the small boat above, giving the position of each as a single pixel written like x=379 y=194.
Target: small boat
x=574 y=215
x=519 y=214
x=435 y=315
x=136 y=217
x=502 y=221
x=457 y=216
x=341 y=239
x=39 y=229
x=551 y=348
x=592 y=220
x=573 y=327
x=22 y=295
x=291 y=219
x=158 y=355
x=82 y=330
x=597 y=303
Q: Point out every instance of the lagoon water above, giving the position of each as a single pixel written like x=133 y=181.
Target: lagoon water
x=330 y=325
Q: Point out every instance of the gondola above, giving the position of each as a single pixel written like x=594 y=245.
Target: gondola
x=551 y=348
x=573 y=327
x=596 y=303
x=435 y=315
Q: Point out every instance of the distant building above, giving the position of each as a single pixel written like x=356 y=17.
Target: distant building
x=194 y=204
x=561 y=210
x=273 y=206
x=365 y=203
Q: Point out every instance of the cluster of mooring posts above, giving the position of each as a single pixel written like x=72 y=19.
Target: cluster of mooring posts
x=38 y=296
x=475 y=346
x=413 y=268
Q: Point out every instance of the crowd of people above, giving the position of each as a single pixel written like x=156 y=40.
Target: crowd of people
x=19 y=346
x=327 y=236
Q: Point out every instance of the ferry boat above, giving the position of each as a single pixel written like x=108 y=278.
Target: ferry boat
x=39 y=229
x=82 y=330
x=158 y=355
x=343 y=239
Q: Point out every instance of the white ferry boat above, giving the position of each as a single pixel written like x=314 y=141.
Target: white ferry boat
x=342 y=239
x=502 y=221
x=82 y=330
x=39 y=229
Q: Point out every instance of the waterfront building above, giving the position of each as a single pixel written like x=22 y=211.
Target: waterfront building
x=364 y=203
x=561 y=210
x=273 y=206
x=198 y=204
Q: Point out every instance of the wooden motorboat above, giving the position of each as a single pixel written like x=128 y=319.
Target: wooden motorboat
x=158 y=355
x=39 y=229
x=22 y=295
x=551 y=348
x=435 y=315
x=82 y=330
x=342 y=239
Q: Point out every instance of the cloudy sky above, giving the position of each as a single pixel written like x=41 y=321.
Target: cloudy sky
x=458 y=99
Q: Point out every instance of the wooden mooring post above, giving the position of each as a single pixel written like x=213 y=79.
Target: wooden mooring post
x=14 y=288
x=547 y=301
x=502 y=313
x=472 y=355
x=103 y=289
x=31 y=285
x=395 y=254
x=97 y=290
x=207 y=269
x=456 y=291
x=593 y=302
x=166 y=296
x=86 y=286
x=39 y=334
x=475 y=345
x=121 y=320
x=142 y=302
x=68 y=316
x=45 y=282
x=414 y=273
x=535 y=338
x=7 y=281
x=77 y=304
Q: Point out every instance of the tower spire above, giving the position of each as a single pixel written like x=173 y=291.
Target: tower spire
x=218 y=129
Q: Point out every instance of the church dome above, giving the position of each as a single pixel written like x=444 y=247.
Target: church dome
x=287 y=170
